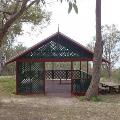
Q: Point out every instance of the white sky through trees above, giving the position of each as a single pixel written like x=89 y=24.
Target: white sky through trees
x=80 y=27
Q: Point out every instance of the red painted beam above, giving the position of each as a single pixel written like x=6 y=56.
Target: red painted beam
x=52 y=59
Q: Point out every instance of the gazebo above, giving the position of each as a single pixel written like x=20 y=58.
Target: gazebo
x=33 y=77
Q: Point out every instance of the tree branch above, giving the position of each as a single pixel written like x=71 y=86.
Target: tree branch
x=11 y=20
x=16 y=14
x=31 y=4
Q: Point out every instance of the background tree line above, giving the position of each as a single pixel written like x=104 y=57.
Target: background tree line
x=111 y=49
x=9 y=52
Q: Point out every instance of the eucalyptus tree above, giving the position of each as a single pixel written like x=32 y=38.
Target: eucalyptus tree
x=111 y=50
x=97 y=60
x=13 y=13
x=98 y=50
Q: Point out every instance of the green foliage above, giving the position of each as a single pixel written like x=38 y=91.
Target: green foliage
x=116 y=75
x=58 y=65
x=104 y=73
x=96 y=99
x=71 y=4
x=82 y=98
x=70 y=7
x=7 y=85
x=19 y=48
x=10 y=51
x=34 y=14
x=111 y=39
x=75 y=7
x=9 y=69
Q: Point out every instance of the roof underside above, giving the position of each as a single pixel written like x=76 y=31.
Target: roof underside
x=57 y=46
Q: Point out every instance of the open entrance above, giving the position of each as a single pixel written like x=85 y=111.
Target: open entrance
x=58 y=79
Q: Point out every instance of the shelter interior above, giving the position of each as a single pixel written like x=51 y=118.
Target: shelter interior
x=53 y=78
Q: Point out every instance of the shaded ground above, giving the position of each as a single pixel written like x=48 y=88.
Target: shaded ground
x=55 y=108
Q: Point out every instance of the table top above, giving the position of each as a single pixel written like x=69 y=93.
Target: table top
x=110 y=84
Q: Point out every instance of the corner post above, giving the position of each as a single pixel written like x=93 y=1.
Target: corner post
x=87 y=69
x=44 y=77
x=71 y=77
x=80 y=69
x=17 y=77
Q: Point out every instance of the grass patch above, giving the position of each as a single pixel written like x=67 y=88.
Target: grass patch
x=82 y=98
x=7 y=85
x=96 y=99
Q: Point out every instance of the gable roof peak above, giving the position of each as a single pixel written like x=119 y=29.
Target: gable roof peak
x=57 y=34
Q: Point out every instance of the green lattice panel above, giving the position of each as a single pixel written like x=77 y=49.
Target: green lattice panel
x=31 y=77
x=54 y=49
x=82 y=84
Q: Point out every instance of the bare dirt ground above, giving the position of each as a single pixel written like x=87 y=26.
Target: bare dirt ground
x=58 y=108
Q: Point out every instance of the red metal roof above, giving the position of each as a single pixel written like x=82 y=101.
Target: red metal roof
x=47 y=40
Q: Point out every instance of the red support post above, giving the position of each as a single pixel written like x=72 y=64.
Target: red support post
x=60 y=81
x=44 y=78
x=71 y=77
x=17 y=78
x=87 y=69
x=80 y=69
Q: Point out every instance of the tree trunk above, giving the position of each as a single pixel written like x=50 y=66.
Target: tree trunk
x=1 y=67
x=109 y=72
x=97 y=60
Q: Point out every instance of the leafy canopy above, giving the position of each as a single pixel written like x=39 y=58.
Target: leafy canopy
x=13 y=13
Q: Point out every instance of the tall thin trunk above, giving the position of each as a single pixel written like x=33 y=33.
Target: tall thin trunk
x=109 y=72
x=109 y=67
x=97 y=60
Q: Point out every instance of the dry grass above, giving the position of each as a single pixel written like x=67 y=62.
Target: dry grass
x=55 y=108
x=7 y=85
x=38 y=107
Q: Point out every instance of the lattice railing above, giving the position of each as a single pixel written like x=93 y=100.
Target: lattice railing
x=57 y=74
x=80 y=80
x=80 y=86
x=66 y=74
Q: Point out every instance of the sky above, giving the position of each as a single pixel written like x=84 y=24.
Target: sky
x=80 y=27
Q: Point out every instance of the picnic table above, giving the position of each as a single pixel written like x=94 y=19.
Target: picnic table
x=111 y=86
